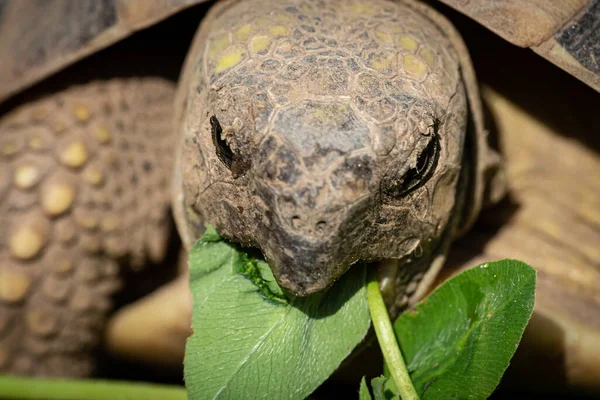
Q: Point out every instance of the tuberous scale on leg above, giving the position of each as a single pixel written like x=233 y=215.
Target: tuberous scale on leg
x=56 y=288
x=57 y=197
x=28 y=236
x=10 y=147
x=65 y=230
x=41 y=323
x=81 y=299
x=74 y=155
x=88 y=270
x=93 y=176
x=14 y=285
x=26 y=176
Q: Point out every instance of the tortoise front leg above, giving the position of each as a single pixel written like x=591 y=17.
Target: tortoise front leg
x=84 y=180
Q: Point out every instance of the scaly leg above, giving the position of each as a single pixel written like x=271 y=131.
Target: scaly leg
x=84 y=181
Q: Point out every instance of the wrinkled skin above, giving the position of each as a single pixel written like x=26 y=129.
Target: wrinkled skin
x=324 y=133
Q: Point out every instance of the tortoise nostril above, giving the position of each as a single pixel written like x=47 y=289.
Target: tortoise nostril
x=304 y=226
x=320 y=227
x=296 y=222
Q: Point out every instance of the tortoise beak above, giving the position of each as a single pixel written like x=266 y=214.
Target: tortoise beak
x=302 y=266
x=310 y=246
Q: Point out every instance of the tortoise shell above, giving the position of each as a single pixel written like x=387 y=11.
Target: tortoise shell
x=38 y=39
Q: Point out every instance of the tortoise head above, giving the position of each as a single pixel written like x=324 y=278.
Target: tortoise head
x=319 y=161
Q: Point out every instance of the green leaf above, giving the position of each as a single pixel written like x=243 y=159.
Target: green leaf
x=381 y=389
x=251 y=342
x=364 y=393
x=459 y=341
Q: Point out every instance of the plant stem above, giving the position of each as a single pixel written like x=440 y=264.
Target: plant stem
x=17 y=388
x=387 y=340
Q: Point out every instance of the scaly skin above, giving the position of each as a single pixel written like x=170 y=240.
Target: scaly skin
x=83 y=188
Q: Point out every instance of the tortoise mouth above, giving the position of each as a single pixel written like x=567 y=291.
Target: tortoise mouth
x=303 y=268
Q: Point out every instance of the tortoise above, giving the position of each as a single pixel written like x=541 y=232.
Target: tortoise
x=549 y=220
x=322 y=132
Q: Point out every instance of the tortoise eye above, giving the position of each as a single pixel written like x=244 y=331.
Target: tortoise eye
x=236 y=163
x=223 y=150
x=420 y=173
x=424 y=159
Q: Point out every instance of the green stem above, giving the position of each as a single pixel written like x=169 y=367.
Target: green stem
x=387 y=340
x=17 y=388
